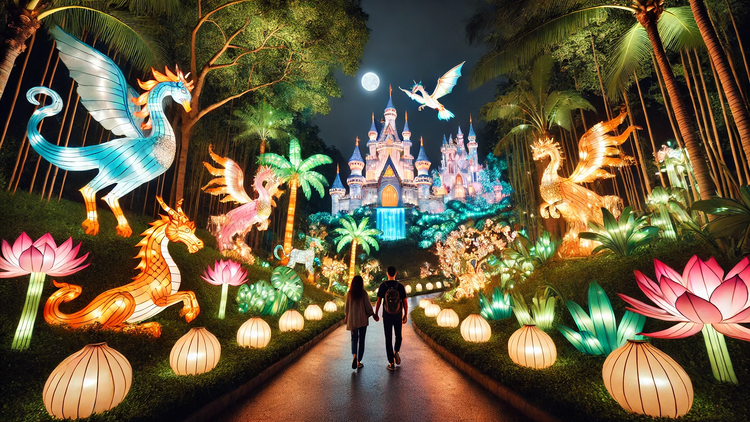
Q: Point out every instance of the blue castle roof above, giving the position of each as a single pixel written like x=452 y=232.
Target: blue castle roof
x=406 y=126
x=390 y=103
x=459 y=131
x=471 y=130
x=356 y=155
x=337 y=183
x=445 y=141
x=422 y=156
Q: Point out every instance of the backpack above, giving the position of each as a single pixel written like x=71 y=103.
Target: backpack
x=392 y=300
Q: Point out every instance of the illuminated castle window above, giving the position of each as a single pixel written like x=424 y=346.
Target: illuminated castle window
x=388 y=172
x=389 y=196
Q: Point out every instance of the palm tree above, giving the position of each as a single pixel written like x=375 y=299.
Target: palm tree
x=525 y=46
x=263 y=122
x=356 y=234
x=296 y=173
x=119 y=28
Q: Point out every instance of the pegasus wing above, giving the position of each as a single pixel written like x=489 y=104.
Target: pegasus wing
x=598 y=149
x=446 y=82
x=230 y=180
x=415 y=97
x=101 y=85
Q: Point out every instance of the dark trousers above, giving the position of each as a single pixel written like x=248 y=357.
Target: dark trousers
x=391 y=324
x=358 y=336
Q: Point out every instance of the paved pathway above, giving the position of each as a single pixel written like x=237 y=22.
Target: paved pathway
x=321 y=386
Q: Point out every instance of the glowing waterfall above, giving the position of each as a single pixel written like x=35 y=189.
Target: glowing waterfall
x=391 y=222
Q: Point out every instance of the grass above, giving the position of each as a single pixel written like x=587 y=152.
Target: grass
x=572 y=389
x=157 y=393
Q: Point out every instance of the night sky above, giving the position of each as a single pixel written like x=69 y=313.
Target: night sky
x=409 y=40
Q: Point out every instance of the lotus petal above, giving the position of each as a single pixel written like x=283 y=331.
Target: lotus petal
x=681 y=330
x=653 y=291
x=663 y=270
x=671 y=290
x=702 y=279
x=697 y=309
x=21 y=244
x=650 y=311
x=646 y=283
x=733 y=330
x=742 y=269
x=731 y=297
x=743 y=316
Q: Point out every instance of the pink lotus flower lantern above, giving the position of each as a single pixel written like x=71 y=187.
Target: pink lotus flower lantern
x=40 y=258
x=703 y=299
x=225 y=273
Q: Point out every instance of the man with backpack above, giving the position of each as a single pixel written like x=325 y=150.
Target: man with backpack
x=395 y=310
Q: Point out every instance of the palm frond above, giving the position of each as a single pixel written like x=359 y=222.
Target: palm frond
x=314 y=161
x=678 y=29
x=274 y=160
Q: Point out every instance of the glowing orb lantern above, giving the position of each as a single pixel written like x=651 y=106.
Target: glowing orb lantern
x=408 y=289
x=475 y=329
x=432 y=310
x=423 y=303
x=330 y=306
x=254 y=333
x=532 y=348
x=438 y=285
x=313 y=313
x=195 y=353
x=429 y=286
x=418 y=287
x=643 y=379
x=291 y=320
x=92 y=380
x=447 y=318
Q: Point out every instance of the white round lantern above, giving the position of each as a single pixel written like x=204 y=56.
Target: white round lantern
x=423 y=303
x=532 y=348
x=254 y=333
x=447 y=318
x=407 y=288
x=438 y=285
x=418 y=287
x=195 y=353
x=92 y=380
x=330 y=306
x=643 y=379
x=429 y=286
x=313 y=313
x=475 y=329
x=432 y=310
x=291 y=320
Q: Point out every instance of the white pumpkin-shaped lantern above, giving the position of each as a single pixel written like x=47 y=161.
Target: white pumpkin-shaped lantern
x=418 y=287
x=291 y=320
x=475 y=329
x=407 y=288
x=330 y=306
x=532 y=348
x=195 y=353
x=438 y=285
x=428 y=286
x=643 y=379
x=423 y=303
x=447 y=318
x=432 y=310
x=313 y=313
x=92 y=380
x=254 y=333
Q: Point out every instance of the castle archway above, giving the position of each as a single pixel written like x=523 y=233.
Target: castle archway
x=389 y=197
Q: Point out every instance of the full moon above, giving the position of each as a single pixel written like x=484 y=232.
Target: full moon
x=370 y=81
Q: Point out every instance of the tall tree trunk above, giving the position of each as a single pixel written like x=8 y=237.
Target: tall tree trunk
x=352 y=261
x=697 y=159
x=22 y=24
x=650 y=133
x=739 y=39
x=262 y=146
x=729 y=84
x=18 y=86
x=646 y=180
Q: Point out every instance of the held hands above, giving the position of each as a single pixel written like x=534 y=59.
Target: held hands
x=404 y=319
x=376 y=317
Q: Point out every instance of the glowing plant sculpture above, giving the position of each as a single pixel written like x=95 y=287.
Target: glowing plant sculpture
x=475 y=329
x=500 y=308
x=231 y=228
x=356 y=234
x=565 y=197
x=643 y=379
x=598 y=333
x=296 y=173
x=541 y=312
x=283 y=292
x=444 y=86
x=254 y=333
x=152 y=290
x=92 y=380
x=225 y=273
x=702 y=299
x=126 y=162
x=622 y=235
x=38 y=259
x=532 y=348
x=195 y=353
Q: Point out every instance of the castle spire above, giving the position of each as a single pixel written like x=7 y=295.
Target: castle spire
x=406 y=132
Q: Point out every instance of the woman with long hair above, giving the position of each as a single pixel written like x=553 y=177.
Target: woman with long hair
x=356 y=316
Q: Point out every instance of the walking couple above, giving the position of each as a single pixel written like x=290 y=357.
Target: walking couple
x=392 y=295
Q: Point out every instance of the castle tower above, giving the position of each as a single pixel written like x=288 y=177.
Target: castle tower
x=355 y=180
x=423 y=179
x=472 y=144
x=461 y=150
x=408 y=159
x=337 y=191
x=390 y=111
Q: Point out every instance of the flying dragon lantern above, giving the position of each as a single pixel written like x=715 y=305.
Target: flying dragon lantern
x=147 y=148
x=151 y=291
x=231 y=228
x=565 y=197
x=444 y=87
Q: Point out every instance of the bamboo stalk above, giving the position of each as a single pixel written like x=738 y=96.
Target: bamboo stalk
x=648 y=127
x=642 y=161
x=18 y=86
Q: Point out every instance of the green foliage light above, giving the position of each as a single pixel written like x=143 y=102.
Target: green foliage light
x=541 y=312
x=732 y=220
x=271 y=299
x=500 y=308
x=621 y=235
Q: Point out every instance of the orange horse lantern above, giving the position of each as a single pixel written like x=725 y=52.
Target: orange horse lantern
x=155 y=288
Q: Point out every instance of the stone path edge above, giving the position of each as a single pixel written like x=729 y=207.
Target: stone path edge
x=499 y=390
x=210 y=411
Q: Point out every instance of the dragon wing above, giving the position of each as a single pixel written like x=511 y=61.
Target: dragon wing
x=597 y=149
x=231 y=180
x=415 y=97
x=101 y=85
x=446 y=82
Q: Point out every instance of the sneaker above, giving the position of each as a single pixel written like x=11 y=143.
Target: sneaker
x=397 y=358
x=391 y=367
x=354 y=363
x=360 y=365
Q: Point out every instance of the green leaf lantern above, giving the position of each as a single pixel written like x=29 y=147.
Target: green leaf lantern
x=500 y=308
